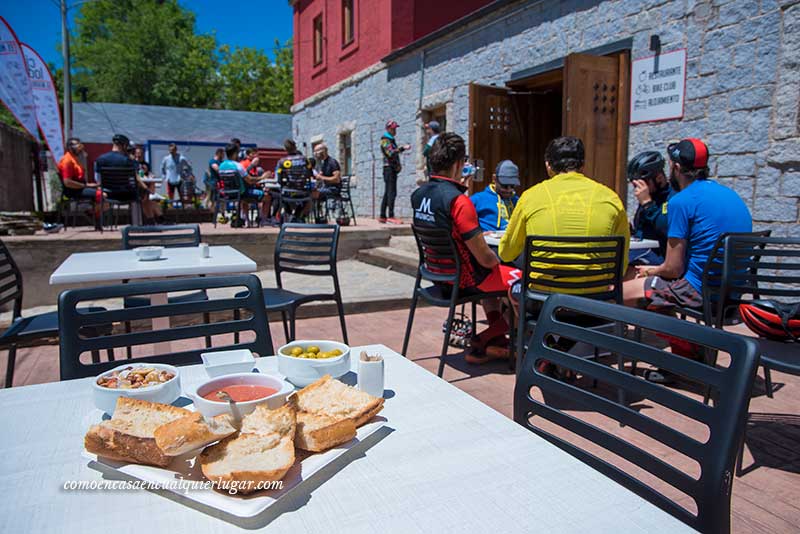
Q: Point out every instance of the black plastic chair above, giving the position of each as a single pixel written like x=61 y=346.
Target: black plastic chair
x=336 y=203
x=22 y=329
x=440 y=263
x=725 y=420
x=176 y=236
x=121 y=188
x=230 y=190
x=73 y=322
x=310 y=250
x=295 y=194
x=601 y=260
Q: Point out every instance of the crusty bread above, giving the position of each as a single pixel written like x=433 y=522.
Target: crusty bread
x=129 y=435
x=319 y=432
x=333 y=398
x=192 y=432
x=262 y=452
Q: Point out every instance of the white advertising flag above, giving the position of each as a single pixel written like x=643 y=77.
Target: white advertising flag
x=15 y=86
x=45 y=101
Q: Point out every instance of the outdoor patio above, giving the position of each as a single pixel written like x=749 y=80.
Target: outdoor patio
x=764 y=499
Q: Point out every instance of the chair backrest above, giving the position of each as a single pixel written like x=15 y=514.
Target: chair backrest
x=716 y=297
x=591 y=266
x=118 y=179
x=295 y=180
x=307 y=249
x=81 y=330
x=231 y=182
x=10 y=281
x=694 y=435
x=438 y=258
x=762 y=267
x=175 y=236
x=344 y=188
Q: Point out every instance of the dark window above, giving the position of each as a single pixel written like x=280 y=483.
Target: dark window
x=346 y=153
x=318 y=39
x=348 y=22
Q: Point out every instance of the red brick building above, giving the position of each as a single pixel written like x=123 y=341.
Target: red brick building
x=334 y=39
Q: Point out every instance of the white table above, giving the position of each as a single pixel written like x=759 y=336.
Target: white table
x=115 y=265
x=118 y=265
x=444 y=462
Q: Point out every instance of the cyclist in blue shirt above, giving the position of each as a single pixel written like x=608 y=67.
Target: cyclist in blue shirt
x=495 y=203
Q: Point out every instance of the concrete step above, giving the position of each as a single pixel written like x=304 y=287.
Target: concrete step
x=396 y=259
x=405 y=243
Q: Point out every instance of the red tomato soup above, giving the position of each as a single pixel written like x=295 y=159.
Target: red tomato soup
x=241 y=392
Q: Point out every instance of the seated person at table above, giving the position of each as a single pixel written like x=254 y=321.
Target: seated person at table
x=496 y=203
x=294 y=176
x=151 y=207
x=117 y=158
x=567 y=204
x=441 y=203
x=700 y=211
x=652 y=191
x=72 y=174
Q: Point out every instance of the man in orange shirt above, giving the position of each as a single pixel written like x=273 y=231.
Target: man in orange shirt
x=73 y=175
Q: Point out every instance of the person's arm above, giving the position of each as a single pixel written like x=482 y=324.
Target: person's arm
x=513 y=241
x=388 y=148
x=215 y=167
x=164 y=167
x=465 y=222
x=674 y=264
x=621 y=227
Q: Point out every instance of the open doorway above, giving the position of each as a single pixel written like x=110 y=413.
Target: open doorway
x=583 y=95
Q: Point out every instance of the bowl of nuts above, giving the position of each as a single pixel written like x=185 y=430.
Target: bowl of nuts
x=154 y=382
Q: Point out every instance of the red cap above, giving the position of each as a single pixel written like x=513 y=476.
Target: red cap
x=391 y=124
x=691 y=153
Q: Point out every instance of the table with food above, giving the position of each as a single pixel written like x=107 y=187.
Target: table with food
x=321 y=437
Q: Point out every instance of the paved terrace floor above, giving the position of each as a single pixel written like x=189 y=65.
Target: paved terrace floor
x=765 y=499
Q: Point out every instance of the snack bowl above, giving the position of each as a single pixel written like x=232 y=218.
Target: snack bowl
x=211 y=408
x=226 y=362
x=149 y=253
x=304 y=371
x=105 y=398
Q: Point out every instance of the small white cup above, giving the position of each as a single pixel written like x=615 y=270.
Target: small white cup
x=205 y=250
x=370 y=377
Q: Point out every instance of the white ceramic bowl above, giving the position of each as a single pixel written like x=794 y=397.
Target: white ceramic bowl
x=213 y=408
x=149 y=253
x=165 y=393
x=303 y=371
x=226 y=362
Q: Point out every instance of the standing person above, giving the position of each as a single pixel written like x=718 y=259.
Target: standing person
x=495 y=204
x=441 y=203
x=212 y=176
x=432 y=130
x=173 y=166
x=240 y=152
x=652 y=191
x=391 y=168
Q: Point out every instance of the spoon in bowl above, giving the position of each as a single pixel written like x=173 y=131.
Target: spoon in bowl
x=235 y=413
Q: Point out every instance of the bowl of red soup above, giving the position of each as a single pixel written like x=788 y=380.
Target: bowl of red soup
x=247 y=389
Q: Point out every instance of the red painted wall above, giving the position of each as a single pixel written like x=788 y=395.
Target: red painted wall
x=380 y=27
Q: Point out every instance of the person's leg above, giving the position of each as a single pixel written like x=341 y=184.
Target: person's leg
x=633 y=291
x=385 y=201
x=391 y=192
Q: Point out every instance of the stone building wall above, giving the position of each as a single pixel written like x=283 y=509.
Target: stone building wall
x=742 y=94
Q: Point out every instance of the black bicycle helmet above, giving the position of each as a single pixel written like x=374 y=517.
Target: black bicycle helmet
x=646 y=165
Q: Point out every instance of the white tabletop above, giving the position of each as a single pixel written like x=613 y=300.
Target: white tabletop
x=125 y=265
x=493 y=240
x=444 y=462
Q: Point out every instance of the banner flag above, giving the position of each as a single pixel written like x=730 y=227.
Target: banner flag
x=15 y=86
x=45 y=101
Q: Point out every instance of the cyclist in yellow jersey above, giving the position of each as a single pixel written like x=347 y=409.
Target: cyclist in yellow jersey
x=567 y=204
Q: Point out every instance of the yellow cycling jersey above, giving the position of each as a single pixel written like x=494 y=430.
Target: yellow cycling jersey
x=569 y=205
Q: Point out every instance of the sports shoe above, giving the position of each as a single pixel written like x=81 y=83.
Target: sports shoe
x=382 y=220
x=392 y=220
x=492 y=353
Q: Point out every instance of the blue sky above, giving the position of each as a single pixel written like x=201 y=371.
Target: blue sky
x=254 y=23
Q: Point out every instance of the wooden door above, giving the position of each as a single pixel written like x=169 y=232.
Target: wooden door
x=594 y=110
x=494 y=133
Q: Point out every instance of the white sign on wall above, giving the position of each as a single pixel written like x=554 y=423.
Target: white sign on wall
x=658 y=87
x=46 y=101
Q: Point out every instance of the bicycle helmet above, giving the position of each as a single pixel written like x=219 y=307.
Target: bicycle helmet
x=772 y=320
x=646 y=165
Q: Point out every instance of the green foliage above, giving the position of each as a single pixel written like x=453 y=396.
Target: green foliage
x=147 y=52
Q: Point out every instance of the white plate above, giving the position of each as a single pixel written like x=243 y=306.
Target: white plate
x=182 y=468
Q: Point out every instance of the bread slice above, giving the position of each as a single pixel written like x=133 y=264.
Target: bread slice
x=192 y=432
x=262 y=452
x=330 y=397
x=318 y=432
x=129 y=435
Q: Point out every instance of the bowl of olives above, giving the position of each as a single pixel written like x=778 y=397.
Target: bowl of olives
x=303 y=362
